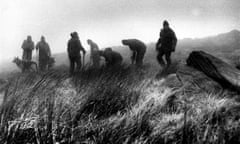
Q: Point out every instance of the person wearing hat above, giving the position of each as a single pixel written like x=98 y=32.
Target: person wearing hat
x=27 y=46
x=138 y=49
x=74 y=47
x=166 y=44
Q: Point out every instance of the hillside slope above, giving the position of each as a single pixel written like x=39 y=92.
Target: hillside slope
x=123 y=105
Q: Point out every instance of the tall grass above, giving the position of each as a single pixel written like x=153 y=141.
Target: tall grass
x=113 y=105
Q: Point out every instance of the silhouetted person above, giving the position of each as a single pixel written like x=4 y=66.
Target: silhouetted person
x=44 y=53
x=94 y=56
x=112 y=58
x=166 y=44
x=74 y=47
x=138 y=49
x=27 y=46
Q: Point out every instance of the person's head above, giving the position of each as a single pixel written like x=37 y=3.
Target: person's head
x=43 y=38
x=125 y=42
x=108 y=49
x=29 y=38
x=101 y=53
x=89 y=41
x=74 y=35
x=165 y=24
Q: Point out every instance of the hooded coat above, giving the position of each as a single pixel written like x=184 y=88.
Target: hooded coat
x=27 y=46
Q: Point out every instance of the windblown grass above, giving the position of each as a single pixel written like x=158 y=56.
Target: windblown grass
x=118 y=105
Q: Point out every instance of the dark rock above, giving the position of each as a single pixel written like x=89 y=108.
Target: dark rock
x=225 y=74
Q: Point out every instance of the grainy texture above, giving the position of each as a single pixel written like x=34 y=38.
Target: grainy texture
x=227 y=75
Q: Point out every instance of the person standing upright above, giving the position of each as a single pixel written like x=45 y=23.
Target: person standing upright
x=27 y=46
x=74 y=47
x=44 y=53
x=166 y=44
x=94 y=56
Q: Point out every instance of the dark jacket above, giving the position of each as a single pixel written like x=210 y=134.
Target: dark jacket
x=167 y=40
x=44 y=50
x=112 y=58
x=28 y=45
x=135 y=45
x=74 y=47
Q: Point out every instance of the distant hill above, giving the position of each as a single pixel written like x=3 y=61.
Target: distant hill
x=226 y=42
x=226 y=46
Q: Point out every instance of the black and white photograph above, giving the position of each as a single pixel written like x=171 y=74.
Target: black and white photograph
x=120 y=72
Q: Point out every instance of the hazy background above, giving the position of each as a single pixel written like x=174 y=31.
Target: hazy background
x=109 y=21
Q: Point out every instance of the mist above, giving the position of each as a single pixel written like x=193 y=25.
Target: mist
x=108 y=21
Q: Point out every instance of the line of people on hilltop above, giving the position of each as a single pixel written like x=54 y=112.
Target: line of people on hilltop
x=165 y=45
x=42 y=48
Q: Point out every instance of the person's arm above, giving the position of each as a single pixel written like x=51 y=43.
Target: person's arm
x=50 y=53
x=81 y=47
x=68 y=47
x=97 y=47
x=175 y=38
x=133 y=57
x=106 y=59
x=174 y=41
x=48 y=50
x=159 y=41
x=37 y=47
x=32 y=46
x=23 y=45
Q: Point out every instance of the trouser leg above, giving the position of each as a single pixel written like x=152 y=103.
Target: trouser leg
x=40 y=66
x=96 y=61
x=133 y=57
x=160 y=59
x=168 y=58
x=79 y=63
x=44 y=65
x=72 y=63
x=24 y=68
x=140 y=57
x=24 y=56
x=29 y=55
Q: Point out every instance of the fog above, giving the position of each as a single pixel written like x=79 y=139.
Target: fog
x=108 y=21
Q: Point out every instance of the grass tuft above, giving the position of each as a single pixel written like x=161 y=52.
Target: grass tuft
x=123 y=105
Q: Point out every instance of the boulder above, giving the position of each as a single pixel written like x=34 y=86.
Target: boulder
x=220 y=71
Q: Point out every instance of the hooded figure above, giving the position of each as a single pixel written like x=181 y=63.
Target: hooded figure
x=166 y=44
x=44 y=53
x=27 y=46
x=138 y=49
x=94 y=57
x=112 y=58
x=74 y=47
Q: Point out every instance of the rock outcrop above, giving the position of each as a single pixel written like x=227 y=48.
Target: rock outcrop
x=225 y=74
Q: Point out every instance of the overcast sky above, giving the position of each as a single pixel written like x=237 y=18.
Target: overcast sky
x=108 y=21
